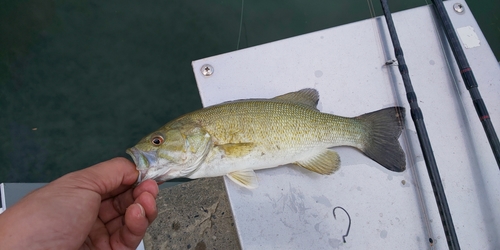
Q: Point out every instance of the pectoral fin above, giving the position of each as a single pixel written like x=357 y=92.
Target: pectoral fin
x=326 y=162
x=244 y=178
x=234 y=150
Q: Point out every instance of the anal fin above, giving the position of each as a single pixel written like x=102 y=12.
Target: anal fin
x=244 y=178
x=326 y=162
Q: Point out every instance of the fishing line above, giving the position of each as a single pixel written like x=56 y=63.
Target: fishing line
x=241 y=24
x=371 y=8
x=383 y=50
x=418 y=119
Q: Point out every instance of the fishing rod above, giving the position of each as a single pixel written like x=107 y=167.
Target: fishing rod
x=469 y=79
x=423 y=137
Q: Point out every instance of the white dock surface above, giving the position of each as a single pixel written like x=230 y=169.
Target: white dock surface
x=292 y=207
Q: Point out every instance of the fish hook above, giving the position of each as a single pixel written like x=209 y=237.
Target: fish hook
x=348 y=216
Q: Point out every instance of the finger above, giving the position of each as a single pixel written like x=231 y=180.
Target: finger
x=107 y=178
x=115 y=224
x=98 y=236
x=113 y=207
x=149 y=186
x=116 y=206
x=131 y=234
x=148 y=204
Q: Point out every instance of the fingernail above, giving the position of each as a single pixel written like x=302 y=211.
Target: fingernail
x=143 y=213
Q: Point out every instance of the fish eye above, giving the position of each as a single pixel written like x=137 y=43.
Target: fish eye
x=157 y=140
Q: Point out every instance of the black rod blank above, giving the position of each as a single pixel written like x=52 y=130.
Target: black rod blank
x=425 y=145
x=468 y=78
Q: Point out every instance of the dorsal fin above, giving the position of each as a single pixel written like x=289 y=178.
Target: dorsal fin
x=308 y=97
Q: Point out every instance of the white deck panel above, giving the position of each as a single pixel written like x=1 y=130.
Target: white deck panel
x=292 y=207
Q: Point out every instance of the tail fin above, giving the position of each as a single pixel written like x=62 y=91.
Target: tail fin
x=382 y=145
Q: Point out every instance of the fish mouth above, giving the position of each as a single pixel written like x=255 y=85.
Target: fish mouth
x=143 y=161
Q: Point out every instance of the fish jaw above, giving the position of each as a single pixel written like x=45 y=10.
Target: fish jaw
x=141 y=160
x=144 y=162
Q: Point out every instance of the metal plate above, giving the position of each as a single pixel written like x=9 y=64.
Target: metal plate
x=292 y=208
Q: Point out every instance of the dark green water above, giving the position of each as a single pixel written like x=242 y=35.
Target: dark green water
x=81 y=81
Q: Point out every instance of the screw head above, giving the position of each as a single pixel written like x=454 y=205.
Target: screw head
x=458 y=7
x=207 y=70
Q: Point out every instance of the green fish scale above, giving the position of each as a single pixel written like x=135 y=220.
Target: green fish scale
x=277 y=125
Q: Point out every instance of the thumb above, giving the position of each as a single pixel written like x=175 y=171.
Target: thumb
x=108 y=178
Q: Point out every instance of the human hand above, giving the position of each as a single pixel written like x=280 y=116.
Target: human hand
x=94 y=208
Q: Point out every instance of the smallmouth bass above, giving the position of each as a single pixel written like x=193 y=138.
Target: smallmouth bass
x=235 y=138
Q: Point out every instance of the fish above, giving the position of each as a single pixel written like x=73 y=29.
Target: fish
x=236 y=138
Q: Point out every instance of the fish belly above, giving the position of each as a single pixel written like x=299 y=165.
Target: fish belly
x=221 y=165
